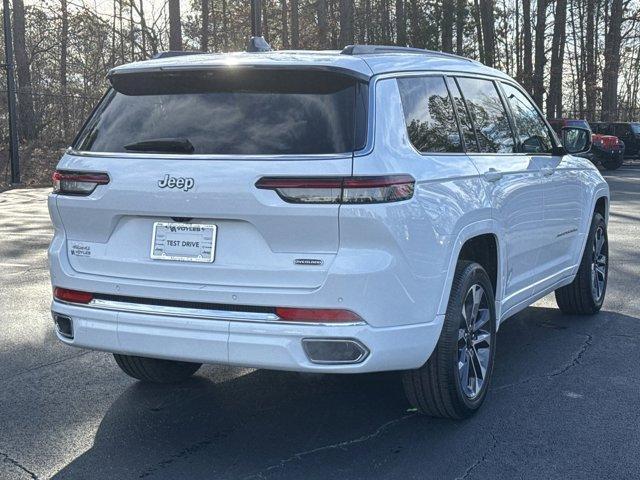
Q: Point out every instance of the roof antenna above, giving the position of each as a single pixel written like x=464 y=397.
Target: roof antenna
x=257 y=43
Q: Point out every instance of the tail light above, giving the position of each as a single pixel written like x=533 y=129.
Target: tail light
x=379 y=189
x=72 y=296
x=77 y=183
x=317 y=315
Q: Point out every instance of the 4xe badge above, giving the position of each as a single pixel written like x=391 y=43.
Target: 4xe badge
x=176 y=182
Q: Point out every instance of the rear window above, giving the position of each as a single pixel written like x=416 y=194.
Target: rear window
x=237 y=112
x=635 y=127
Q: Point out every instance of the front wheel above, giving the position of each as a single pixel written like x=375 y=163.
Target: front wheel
x=613 y=164
x=454 y=381
x=585 y=295
x=155 y=370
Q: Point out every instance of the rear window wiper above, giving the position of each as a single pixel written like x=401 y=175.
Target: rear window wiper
x=166 y=145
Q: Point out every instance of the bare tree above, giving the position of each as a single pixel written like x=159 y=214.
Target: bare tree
x=461 y=13
x=448 y=12
x=527 y=51
x=488 y=30
x=401 y=24
x=612 y=62
x=323 y=25
x=590 y=73
x=538 y=73
x=26 y=112
x=554 y=98
x=64 y=43
x=175 y=25
x=346 y=23
x=204 y=34
x=285 y=29
x=295 y=24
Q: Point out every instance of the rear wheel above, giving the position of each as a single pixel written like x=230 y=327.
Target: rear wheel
x=585 y=294
x=454 y=381
x=154 y=369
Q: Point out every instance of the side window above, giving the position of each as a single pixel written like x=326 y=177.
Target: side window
x=428 y=114
x=532 y=133
x=489 y=116
x=470 y=142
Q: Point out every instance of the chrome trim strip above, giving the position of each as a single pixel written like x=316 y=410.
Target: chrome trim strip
x=197 y=313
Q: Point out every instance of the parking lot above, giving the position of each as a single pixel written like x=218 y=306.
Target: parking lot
x=564 y=401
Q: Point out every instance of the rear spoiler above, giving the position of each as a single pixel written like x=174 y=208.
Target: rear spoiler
x=120 y=72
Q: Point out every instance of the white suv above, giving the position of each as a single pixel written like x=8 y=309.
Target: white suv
x=373 y=209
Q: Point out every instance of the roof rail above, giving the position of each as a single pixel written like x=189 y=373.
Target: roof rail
x=382 y=49
x=175 y=53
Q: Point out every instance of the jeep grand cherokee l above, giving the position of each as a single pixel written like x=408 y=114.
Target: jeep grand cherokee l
x=376 y=209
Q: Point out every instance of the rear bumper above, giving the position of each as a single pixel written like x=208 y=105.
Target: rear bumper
x=249 y=343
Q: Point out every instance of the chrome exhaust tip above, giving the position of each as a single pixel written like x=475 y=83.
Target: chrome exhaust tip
x=334 y=351
x=64 y=325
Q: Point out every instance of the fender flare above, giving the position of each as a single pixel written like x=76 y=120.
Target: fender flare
x=602 y=191
x=482 y=227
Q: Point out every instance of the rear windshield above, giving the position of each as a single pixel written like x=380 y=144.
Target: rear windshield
x=231 y=112
x=635 y=127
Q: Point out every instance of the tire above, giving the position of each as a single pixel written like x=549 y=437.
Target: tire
x=613 y=164
x=584 y=296
x=437 y=388
x=155 y=370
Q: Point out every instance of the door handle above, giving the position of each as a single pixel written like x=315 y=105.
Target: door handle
x=547 y=171
x=492 y=175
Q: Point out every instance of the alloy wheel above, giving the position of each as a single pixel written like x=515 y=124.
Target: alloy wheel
x=599 y=264
x=474 y=341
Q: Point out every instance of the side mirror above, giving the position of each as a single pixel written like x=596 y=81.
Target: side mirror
x=576 y=139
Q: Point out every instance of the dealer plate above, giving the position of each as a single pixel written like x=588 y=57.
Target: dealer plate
x=184 y=242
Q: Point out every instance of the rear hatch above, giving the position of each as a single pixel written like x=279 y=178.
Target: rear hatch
x=185 y=149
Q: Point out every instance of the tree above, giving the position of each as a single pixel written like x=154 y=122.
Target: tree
x=461 y=13
x=323 y=26
x=611 y=70
x=346 y=23
x=538 y=73
x=175 y=26
x=295 y=24
x=448 y=11
x=285 y=28
x=488 y=31
x=26 y=111
x=401 y=24
x=554 y=98
x=64 y=42
x=527 y=64
x=590 y=70
x=204 y=35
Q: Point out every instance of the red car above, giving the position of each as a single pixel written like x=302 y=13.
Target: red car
x=606 y=150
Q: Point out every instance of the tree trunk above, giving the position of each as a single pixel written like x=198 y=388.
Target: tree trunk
x=295 y=25
x=285 y=28
x=612 y=62
x=538 y=74
x=204 y=35
x=590 y=73
x=265 y=21
x=401 y=24
x=414 y=21
x=527 y=53
x=64 y=43
x=323 y=25
x=488 y=31
x=478 y=22
x=346 y=23
x=460 y=19
x=554 y=98
x=448 y=12
x=26 y=112
x=175 y=26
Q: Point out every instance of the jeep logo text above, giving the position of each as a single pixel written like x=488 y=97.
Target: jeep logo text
x=176 y=182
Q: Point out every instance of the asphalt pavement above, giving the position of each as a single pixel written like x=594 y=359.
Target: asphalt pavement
x=564 y=401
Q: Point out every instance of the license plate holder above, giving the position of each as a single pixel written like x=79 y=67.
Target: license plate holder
x=184 y=242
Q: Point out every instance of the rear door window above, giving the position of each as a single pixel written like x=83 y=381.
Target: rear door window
x=429 y=116
x=231 y=112
x=532 y=133
x=466 y=125
x=489 y=116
